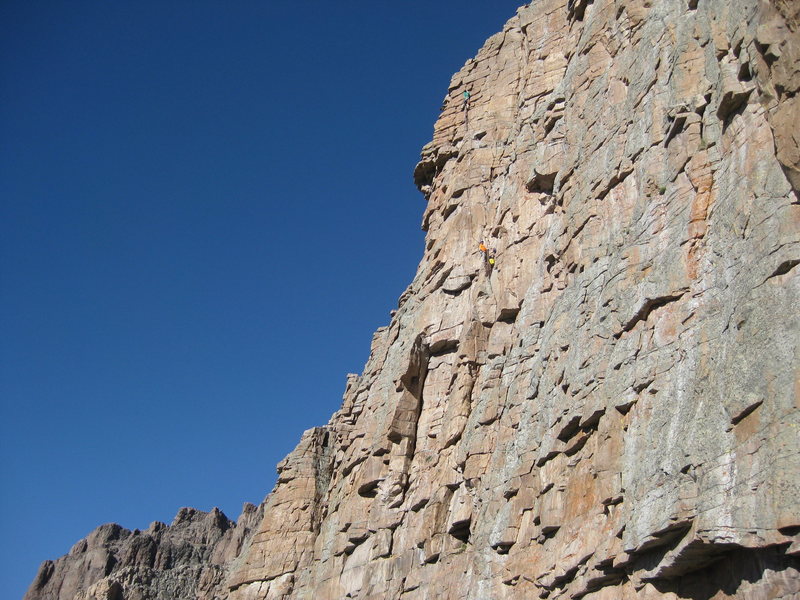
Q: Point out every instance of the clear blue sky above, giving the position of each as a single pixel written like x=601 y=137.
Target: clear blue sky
x=207 y=209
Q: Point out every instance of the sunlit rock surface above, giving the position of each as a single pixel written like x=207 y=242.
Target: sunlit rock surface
x=611 y=411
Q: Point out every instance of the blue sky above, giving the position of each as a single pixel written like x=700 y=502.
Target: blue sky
x=206 y=209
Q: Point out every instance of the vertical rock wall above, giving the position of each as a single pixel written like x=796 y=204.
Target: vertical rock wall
x=611 y=411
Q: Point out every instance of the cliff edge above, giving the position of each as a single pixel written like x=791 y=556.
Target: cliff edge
x=609 y=408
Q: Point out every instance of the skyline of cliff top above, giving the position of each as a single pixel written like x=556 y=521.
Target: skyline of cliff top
x=207 y=211
x=588 y=389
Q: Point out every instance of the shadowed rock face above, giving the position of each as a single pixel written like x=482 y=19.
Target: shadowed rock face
x=611 y=410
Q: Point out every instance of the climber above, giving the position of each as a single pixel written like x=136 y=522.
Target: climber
x=466 y=99
x=488 y=255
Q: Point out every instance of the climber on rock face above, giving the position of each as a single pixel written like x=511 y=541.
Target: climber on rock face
x=466 y=99
x=488 y=254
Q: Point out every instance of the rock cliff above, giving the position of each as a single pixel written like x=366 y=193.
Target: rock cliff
x=610 y=410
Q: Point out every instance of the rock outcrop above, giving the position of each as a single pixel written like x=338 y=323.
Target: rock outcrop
x=611 y=410
x=186 y=559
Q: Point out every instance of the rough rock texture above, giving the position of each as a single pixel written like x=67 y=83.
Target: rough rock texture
x=184 y=560
x=611 y=411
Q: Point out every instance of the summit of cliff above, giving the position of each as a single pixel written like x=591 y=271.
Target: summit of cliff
x=608 y=408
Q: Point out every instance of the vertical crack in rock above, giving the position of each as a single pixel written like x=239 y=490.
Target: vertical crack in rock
x=404 y=425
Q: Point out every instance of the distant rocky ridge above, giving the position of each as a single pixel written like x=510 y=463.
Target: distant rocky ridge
x=612 y=410
x=186 y=559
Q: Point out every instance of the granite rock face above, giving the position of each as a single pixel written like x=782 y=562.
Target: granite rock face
x=611 y=410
